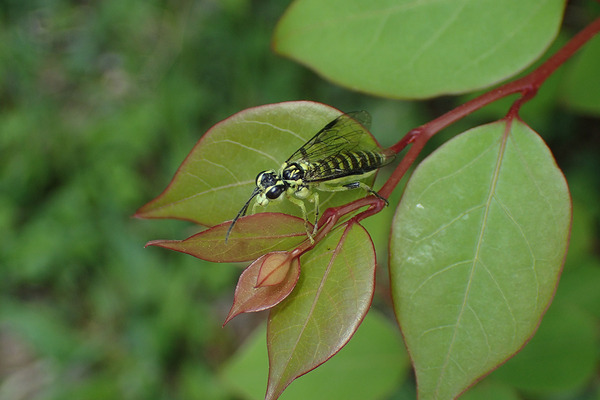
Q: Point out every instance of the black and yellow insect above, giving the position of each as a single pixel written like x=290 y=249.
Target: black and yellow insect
x=337 y=158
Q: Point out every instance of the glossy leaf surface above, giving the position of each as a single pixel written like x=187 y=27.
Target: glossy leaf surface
x=477 y=246
x=328 y=304
x=254 y=236
x=390 y=48
x=219 y=174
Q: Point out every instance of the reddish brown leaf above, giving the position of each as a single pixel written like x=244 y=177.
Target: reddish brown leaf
x=249 y=297
x=252 y=237
x=273 y=269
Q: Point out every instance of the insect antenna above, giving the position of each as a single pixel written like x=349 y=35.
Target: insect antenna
x=241 y=213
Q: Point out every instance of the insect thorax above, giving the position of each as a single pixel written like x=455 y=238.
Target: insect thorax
x=293 y=173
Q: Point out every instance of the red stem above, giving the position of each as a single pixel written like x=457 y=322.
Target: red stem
x=527 y=86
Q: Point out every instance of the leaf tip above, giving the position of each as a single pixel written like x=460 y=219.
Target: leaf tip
x=230 y=316
x=159 y=243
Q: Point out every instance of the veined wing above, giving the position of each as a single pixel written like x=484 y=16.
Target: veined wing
x=346 y=133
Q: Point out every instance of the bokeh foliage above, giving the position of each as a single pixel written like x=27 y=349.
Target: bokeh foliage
x=100 y=101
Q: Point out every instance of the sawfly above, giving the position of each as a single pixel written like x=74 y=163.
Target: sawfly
x=337 y=158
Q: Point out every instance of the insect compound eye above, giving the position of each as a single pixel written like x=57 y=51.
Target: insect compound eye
x=266 y=179
x=293 y=172
x=275 y=191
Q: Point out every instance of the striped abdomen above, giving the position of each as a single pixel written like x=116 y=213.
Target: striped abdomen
x=346 y=164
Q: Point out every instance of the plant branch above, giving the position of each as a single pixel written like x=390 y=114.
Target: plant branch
x=527 y=86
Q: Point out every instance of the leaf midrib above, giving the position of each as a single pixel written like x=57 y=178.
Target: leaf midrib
x=493 y=185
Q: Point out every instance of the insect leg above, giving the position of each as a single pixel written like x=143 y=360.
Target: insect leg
x=300 y=203
x=254 y=207
x=355 y=185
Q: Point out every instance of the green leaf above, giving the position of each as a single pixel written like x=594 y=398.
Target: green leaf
x=581 y=77
x=560 y=357
x=368 y=368
x=330 y=300
x=477 y=246
x=408 y=49
x=219 y=174
x=254 y=236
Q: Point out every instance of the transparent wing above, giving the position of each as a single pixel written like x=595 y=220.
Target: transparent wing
x=348 y=132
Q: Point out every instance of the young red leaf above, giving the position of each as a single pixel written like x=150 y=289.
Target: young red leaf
x=252 y=237
x=250 y=297
x=332 y=297
x=273 y=269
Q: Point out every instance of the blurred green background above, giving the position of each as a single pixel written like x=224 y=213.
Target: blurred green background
x=100 y=101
